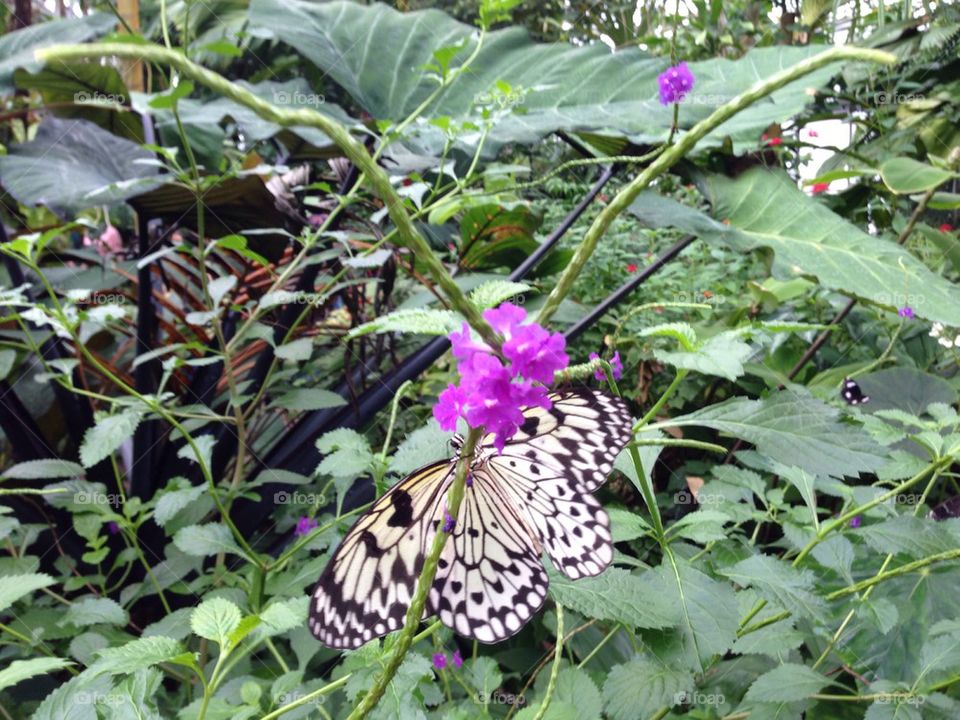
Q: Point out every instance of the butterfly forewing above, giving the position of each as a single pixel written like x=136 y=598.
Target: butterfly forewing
x=533 y=497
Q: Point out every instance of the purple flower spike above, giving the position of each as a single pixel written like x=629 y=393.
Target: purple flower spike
x=906 y=312
x=449 y=407
x=304 y=526
x=615 y=365
x=113 y=527
x=457 y=659
x=448 y=521
x=536 y=354
x=439 y=661
x=855 y=521
x=675 y=82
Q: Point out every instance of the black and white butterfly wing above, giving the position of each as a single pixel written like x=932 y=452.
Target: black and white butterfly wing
x=490 y=579
x=367 y=586
x=551 y=473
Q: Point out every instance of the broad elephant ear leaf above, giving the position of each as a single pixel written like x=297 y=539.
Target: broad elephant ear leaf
x=765 y=209
x=380 y=57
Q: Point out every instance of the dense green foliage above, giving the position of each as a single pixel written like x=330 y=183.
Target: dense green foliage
x=223 y=238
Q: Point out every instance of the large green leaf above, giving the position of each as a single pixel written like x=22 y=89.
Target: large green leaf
x=16 y=48
x=796 y=430
x=765 y=209
x=378 y=55
x=73 y=165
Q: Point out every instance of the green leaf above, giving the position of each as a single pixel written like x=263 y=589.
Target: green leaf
x=298 y=350
x=100 y=441
x=616 y=594
x=14 y=587
x=907 y=534
x=281 y=616
x=491 y=294
x=22 y=669
x=576 y=688
x=641 y=687
x=136 y=655
x=483 y=674
x=761 y=208
x=94 y=611
x=787 y=683
x=17 y=48
x=424 y=445
x=777 y=581
x=796 y=430
x=423 y=321
x=309 y=399
x=215 y=619
x=347 y=453
x=700 y=526
x=626 y=525
x=722 y=355
x=553 y=86
x=708 y=611
x=775 y=641
x=172 y=502
x=904 y=175
x=42 y=470
x=204 y=540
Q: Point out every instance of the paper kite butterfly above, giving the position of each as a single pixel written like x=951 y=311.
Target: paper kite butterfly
x=534 y=498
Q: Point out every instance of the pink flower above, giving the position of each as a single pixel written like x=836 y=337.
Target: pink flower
x=675 y=82
x=304 y=526
x=812 y=133
x=615 y=364
x=631 y=268
x=818 y=188
x=439 y=661
x=946 y=228
x=457 y=659
x=490 y=394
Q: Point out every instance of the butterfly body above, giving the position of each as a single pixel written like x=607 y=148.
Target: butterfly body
x=852 y=393
x=533 y=498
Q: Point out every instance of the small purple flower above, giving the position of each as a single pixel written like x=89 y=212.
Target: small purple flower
x=906 y=312
x=855 y=521
x=439 y=661
x=448 y=521
x=469 y=479
x=304 y=526
x=449 y=407
x=675 y=82
x=113 y=527
x=457 y=659
x=615 y=364
x=535 y=353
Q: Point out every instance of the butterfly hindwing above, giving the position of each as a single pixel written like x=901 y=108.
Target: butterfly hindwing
x=366 y=588
x=534 y=497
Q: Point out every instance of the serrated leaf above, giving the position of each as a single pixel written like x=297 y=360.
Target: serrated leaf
x=787 y=683
x=215 y=619
x=615 y=595
x=282 y=616
x=204 y=540
x=298 y=350
x=309 y=399
x=172 y=502
x=626 y=525
x=424 y=445
x=797 y=430
x=100 y=441
x=136 y=655
x=776 y=641
x=491 y=294
x=641 y=687
x=701 y=526
x=722 y=355
x=778 y=581
x=42 y=470
x=907 y=534
x=347 y=453
x=423 y=321
x=14 y=587
x=23 y=669
x=94 y=611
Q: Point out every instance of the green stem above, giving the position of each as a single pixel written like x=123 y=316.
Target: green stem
x=424 y=583
x=902 y=570
x=686 y=143
x=555 y=670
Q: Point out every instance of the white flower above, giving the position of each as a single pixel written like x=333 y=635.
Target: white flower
x=936 y=329
x=945 y=342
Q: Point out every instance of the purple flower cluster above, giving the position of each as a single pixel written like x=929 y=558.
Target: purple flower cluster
x=615 y=365
x=675 y=82
x=304 y=525
x=440 y=660
x=492 y=395
x=906 y=312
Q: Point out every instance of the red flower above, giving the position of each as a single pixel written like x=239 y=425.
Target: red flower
x=407 y=182
x=820 y=188
x=946 y=228
x=631 y=268
x=774 y=141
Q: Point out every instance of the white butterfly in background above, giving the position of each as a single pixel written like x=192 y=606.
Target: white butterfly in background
x=535 y=497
